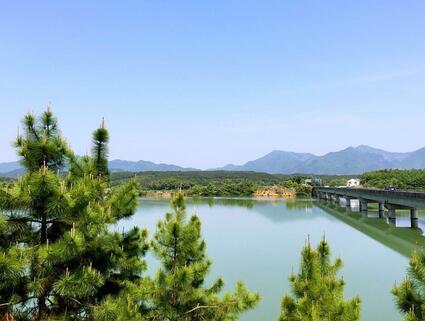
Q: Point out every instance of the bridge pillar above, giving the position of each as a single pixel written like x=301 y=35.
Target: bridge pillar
x=347 y=202
x=414 y=220
x=363 y=205
x=336 y=199
x=392 y=215
x=381 y=210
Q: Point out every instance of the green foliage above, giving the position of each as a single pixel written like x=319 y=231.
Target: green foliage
x=340 y=181
x=410 y=295
x=226 y=188
x=318 y=293
x=126 y=307
x=100 y=151
x=214 y=183
x=5 y=182
x=69 y=285
x=178 y=292
x=42 y=144
x=402 y=179
x=303 y=189
x=336 y=180
x=208 y=183
x=297 y=183
x=58 y=258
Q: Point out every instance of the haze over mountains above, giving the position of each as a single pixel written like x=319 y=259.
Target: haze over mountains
x=144 y=166
x=14 y=169
x=352 y=160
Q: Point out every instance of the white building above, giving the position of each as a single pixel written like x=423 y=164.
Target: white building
x=354 y=182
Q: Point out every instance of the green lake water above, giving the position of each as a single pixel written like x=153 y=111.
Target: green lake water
x=259 y=241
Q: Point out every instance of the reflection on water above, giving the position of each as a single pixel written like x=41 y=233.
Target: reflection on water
x=399 y=238
x=299 y=204
x=247 y=202
x=259 y=241
x=270 y=208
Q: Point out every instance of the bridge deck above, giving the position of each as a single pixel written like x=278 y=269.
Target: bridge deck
x=408 y=199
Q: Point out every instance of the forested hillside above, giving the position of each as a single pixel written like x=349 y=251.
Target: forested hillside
x=402 y=179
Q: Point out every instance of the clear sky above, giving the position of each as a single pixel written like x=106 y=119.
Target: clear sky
x=205 y=83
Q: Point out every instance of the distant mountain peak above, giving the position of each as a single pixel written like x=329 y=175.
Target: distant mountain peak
x=14 y=169
x=366 y=148
x=349 y=161
x=143 y=166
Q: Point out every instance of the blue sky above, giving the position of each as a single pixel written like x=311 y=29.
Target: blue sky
x=205 y=83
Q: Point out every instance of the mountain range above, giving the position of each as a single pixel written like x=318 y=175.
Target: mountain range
x=117 y=165
x=14 y=169
x=352 y=160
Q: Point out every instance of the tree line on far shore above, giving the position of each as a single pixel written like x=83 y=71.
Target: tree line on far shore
x=213 y=183
x=223 y=183
x=413 y=179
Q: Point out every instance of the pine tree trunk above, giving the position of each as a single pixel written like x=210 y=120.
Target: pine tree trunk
x=174 y=296
x=7 y=317
x=43 y=230
x=42 y=307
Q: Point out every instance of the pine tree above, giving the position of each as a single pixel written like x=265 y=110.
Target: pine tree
x=100 y=151
x=410 y=294
x=178 y=291
x=58 y=257
x=318 y=293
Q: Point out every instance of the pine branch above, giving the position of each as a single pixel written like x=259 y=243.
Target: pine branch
x=76 y=301
x=31 y=129
x=201 y=307
x=23 y=220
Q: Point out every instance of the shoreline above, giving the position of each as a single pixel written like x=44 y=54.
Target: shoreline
x=258 y=194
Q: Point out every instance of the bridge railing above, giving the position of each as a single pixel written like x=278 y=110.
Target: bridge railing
x=382 y=192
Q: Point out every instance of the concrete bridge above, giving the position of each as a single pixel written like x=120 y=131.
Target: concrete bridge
x=390 y=200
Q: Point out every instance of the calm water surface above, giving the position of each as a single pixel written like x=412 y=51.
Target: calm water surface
x=259 y=241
